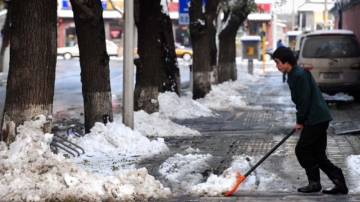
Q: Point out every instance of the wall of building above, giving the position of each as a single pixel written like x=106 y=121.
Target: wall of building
x=309 y=21
x=350 y=18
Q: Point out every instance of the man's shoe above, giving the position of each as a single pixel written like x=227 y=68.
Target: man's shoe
x=311 y=187
x=314 y=185
x=337 y=177
x=340 y=188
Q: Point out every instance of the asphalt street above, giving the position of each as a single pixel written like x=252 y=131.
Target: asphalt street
x=68 y=100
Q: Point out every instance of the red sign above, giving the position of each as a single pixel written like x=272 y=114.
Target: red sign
x=173 y=6
x=264 y=7
x=115 y=33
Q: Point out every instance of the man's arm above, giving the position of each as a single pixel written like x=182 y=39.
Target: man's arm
x=303 y=94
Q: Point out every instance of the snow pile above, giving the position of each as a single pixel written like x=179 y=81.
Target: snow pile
x=173 y=106
x=226 y=95
x=216 y=185
x=115 y=147
x=353 y=163
x=261 y=180
x=158 y=125
x=338 y=97
x=183 y=170
x=31 y=172
x=117 y=138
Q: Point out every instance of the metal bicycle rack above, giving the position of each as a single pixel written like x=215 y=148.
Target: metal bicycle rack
x=59 y=142
x=77 y=129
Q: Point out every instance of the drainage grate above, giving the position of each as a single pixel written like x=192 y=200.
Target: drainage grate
x=252 y=146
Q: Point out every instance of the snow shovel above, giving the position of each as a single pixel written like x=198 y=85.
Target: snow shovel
x=242 y=177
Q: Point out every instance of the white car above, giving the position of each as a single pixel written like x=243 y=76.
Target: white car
x=333 y=58
x=73 y=51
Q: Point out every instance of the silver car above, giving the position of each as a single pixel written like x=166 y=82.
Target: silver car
x=333 y=58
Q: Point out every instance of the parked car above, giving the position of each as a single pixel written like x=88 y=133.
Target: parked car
x=333 y=58
x=298 y=41
x=181 y=52
x=73 y=51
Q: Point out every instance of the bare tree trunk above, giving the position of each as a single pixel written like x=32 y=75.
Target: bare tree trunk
x=147 y=15
x=227 y=49
x=211 y=11
x=227 y=56
x=6 y=37
x=171 y=74
x=200 y=42
x=94 y=61
x=31 y=80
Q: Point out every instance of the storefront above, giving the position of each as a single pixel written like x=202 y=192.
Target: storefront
x=112 y=22
x=254 y=23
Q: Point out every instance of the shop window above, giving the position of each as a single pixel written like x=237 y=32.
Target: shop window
x=115 y=32
x=70 y=36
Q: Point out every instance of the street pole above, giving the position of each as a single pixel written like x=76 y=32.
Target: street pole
x=293 y=16
x=128 y=88
x=274 y=35
x=326 y=16
x=300 y=21
x=263 y=45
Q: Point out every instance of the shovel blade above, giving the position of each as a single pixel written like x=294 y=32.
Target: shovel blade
x=240 y=179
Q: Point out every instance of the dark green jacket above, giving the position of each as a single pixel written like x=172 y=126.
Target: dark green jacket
x=305 y=93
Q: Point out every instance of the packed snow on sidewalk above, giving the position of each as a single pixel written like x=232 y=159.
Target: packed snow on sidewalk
x=107 y=170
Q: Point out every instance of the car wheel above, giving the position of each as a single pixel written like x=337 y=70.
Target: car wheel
x=67 y=56
x=186 y=56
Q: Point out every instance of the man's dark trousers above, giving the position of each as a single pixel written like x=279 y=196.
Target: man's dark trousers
x=310 y=149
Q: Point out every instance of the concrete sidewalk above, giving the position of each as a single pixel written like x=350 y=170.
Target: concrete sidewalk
x=256 y=132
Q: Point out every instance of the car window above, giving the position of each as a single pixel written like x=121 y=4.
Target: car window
x=177 y=45
x=331 y=47
x=301 y=41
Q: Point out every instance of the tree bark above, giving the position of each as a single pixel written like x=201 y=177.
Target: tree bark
x=148 y=66
x=6 y=37
x=200 y=37
x=31 y=80
x=170 y=73
x=211 y=8
x=227 y=46
x=227 y=56
x=94 y=61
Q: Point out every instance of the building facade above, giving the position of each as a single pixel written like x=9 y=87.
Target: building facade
x=66 y=25
x=347 y=13
x=311 y=15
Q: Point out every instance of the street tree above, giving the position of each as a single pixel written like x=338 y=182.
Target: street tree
x=31 y=79
x=147 y=15
x=169 y=73
x=235 y=13
x=213 y=10
x=94 y=61
x=157 y=69
x=201 y=28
